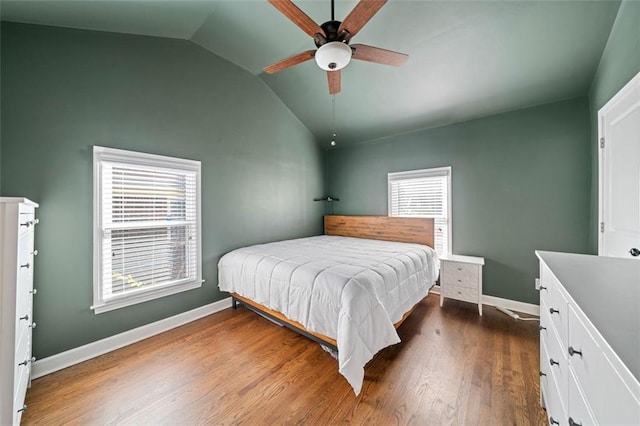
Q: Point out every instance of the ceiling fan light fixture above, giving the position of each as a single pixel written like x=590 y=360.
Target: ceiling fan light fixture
x=333 y=56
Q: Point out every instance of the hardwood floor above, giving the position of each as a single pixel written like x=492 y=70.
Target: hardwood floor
x=234 y=367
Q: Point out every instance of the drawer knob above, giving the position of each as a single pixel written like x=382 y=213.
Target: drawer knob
x=28 y=223
x=541 y=327
x=36 y=221
x=33 y=291
x=27 y=361
x=26 y=265
x=35 y=252
x=553 y=362
x=542 y=288
x=32 y=325
x=23 y=409
x=573 y=422
x=553 y=421
x=573 y=352
x=554 y=311
x=542 y=374
x=26 y=317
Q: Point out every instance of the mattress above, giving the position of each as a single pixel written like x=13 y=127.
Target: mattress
x=352 y=290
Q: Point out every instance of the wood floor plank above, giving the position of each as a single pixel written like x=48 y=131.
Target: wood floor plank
x=234 y=367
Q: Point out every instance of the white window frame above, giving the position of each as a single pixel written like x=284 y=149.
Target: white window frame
x=143 y=160
x=427 y=173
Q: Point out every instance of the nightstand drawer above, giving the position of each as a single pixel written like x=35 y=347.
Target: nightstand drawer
x=460 y=293
x=461 y=274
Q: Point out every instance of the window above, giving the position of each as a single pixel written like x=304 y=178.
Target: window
x=424 y=193
x=146 y=227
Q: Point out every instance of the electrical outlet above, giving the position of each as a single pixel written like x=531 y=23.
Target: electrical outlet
x=538 y=284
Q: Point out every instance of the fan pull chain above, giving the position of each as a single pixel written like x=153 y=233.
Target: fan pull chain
x=333 y=108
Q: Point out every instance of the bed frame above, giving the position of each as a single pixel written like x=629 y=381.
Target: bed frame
x=400 y=229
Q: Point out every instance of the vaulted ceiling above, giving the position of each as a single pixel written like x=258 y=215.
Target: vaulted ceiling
x=467 y=59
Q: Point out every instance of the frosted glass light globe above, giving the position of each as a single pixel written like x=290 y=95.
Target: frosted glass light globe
x=333 y=56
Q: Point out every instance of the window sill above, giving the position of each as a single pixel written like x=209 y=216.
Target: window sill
x=146 y=296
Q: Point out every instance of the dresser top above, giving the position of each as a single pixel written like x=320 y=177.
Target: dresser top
x=18 y=200
x=607 y=289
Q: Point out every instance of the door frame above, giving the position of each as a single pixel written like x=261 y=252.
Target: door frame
x=633 y=84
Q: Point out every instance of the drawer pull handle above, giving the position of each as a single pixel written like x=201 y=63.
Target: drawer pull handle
x=542 y=374
x=554 y=311
x=26 y=317
x=553 y=361
x=23 y=409
x=573 y=422
x=26 y=265
x=541 y=327
x=34 y=291
x=573 y=352
x=553 y=421
x=27 y=361
x=542 y=288
x=32 y=325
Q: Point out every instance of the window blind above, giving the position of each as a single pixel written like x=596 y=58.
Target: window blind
x=423 y=194
x=149 y=218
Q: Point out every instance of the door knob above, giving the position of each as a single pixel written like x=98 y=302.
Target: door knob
x=634 y=252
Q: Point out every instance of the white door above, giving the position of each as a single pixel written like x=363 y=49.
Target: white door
x=619 y=131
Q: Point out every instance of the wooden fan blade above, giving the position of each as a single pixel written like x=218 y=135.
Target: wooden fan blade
x=297 y=16
x=359 y=16
x=334 y=78
x=289 y=62
x=378 y=55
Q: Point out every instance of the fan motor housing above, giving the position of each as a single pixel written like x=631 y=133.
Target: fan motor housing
x=330 y=29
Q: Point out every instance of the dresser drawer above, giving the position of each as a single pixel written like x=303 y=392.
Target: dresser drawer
x=21 y=382
x=557 y=363
x=27 y=220
x=610 y=399
x=545 y=373
x=460 y=293
x=546 y=325
x=552 y=294
x=578 y=410
x=556 y=413
x=461 y=274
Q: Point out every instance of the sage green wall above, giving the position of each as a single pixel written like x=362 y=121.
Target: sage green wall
x=64 y=91
x=520 y=183
x=620 y=62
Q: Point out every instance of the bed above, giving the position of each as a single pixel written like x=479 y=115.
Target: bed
x=348 y=289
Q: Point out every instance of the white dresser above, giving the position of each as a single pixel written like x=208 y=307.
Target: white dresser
x=461 y=279
x=589 y=339
x=17 y=222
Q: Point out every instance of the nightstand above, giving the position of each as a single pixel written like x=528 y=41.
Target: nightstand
x=461 y=279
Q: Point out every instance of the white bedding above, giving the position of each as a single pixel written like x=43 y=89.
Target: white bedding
x=350 y=289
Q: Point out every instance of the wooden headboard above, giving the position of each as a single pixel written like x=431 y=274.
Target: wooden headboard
x=402 y=229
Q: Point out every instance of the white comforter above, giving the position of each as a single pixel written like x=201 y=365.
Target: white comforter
x=350 y=289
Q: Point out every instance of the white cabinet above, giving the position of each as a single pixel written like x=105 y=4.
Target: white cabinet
x=461 y=279
x=589 y=339
x=17 y=222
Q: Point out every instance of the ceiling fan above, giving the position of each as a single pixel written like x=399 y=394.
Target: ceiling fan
x=332 y=41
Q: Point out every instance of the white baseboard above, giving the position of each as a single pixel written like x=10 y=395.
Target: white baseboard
x=77 y=355
x=512 y=305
